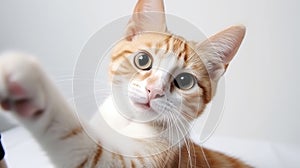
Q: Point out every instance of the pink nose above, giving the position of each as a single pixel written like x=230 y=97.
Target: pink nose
x=155 y=92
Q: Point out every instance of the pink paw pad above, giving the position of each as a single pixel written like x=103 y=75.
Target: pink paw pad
x=19 y=101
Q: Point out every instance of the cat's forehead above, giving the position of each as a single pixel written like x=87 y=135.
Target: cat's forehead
x=168 y=51
x=150 y=37
x=151 y=40
x=160 y=41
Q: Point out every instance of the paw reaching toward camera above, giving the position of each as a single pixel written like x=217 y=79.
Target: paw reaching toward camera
x=21 y=85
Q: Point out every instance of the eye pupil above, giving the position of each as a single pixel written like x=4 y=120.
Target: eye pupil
x=184 y=81
x=143 y=60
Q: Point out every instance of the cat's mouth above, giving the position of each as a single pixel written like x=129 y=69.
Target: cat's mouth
x=143 y=105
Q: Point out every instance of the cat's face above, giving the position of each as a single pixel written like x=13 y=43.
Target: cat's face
x=162 y=77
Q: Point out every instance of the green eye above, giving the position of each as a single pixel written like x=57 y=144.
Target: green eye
x=184 y=81
x=143 y=61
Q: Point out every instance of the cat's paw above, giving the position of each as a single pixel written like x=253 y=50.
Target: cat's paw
x=21 y=85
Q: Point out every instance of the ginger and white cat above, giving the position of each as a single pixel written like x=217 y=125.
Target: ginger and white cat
x=164 y=83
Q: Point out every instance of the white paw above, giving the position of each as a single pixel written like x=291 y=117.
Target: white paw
x=21 y=88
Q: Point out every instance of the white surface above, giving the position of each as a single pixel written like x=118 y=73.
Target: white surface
x=23 y=151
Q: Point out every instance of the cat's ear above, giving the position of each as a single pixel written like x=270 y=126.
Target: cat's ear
x=148 y=15
x=219 y=50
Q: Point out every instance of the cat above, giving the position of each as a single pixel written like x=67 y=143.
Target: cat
x=167 y=81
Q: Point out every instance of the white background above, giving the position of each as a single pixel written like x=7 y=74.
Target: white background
x=261 y=83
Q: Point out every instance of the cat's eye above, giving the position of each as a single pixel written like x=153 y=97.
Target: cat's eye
x=184 y=81
x=143 y=61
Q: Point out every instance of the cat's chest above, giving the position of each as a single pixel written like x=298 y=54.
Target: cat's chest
x=109 y=115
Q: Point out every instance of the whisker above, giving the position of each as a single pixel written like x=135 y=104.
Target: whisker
x=187 y=142
x=205 y=158
x=179 y=146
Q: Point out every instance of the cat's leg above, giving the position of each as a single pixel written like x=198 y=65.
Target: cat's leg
x=27 y=91
x=192 y=155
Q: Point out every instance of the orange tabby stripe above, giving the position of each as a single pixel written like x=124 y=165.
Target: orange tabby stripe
x=206 y=94
x=167 y=43
x=140 y=159
x=185 y=49
x=97 y=156
x=82 y=165
x=72 y=133
x=177 y=43
x=158 y=47
x=132 y=164
x=121 y=54
x=122 y=161
x=125 y=68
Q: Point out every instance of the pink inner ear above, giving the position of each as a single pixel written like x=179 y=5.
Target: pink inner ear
x=220 y=49
x=227 y=42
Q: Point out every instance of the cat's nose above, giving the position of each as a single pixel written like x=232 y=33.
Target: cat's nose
x=155 y=92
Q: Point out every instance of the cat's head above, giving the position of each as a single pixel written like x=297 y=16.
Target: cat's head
x=164 y=75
